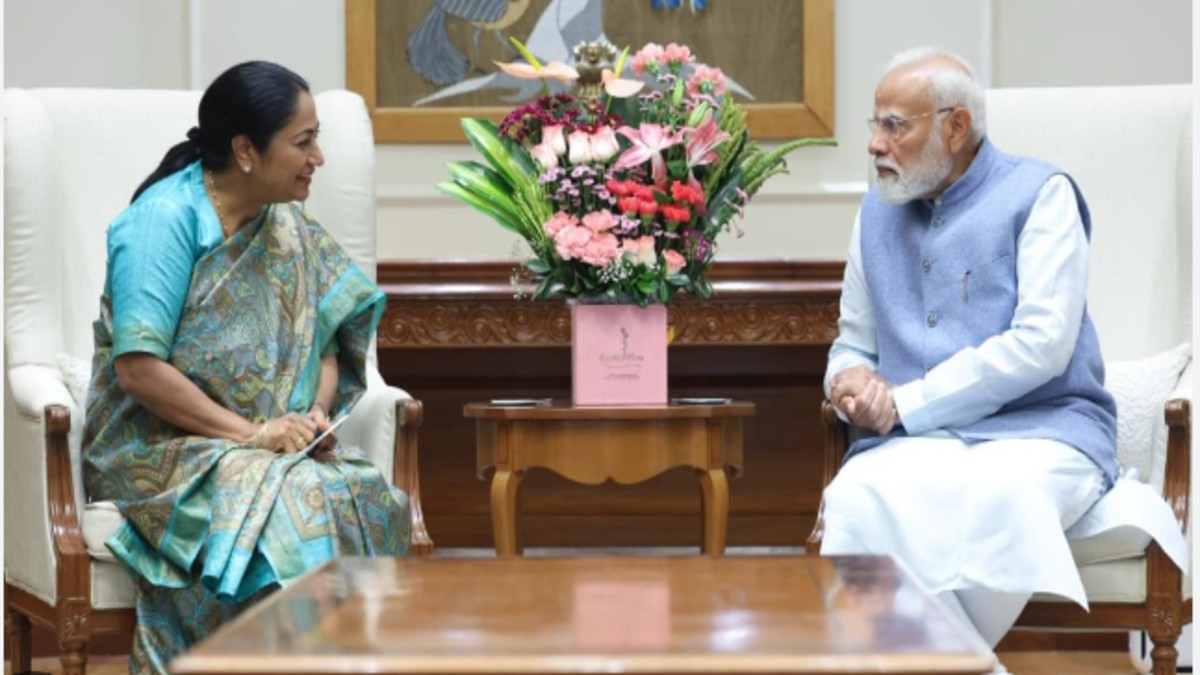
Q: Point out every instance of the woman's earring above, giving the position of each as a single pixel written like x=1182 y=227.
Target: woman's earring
x=245 y=168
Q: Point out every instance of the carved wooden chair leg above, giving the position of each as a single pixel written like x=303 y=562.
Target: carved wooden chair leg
x=1165 y=628
x=19 y=647
x=73 y=658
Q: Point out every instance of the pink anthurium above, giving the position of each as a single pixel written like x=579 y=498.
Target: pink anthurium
x=556 y=70
x=619 y=87
x=648 y=141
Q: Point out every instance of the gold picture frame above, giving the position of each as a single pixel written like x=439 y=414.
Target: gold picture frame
x=811 y=116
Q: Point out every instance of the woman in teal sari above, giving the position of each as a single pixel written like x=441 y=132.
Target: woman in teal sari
x=232 y=329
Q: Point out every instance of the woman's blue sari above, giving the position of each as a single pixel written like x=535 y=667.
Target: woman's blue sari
x=212 y=524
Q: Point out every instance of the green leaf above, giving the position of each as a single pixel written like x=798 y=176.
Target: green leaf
x=482 y=205
x=537 y=266
x=677 y=167
x=543 y=290
x=484 y=183
x=485 y=137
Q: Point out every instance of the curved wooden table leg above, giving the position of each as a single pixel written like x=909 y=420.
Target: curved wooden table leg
x=715 y=488
x=504 y=511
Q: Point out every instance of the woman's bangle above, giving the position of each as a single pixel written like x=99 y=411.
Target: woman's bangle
x=259 y=436
x=324 y=410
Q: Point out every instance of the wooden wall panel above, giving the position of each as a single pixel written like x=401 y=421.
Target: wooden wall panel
x=453 y=333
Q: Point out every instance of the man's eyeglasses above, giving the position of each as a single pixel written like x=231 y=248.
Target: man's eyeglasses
x=894 y=126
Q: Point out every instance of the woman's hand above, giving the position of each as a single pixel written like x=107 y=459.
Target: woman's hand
x=324 y=450
x=286 y=434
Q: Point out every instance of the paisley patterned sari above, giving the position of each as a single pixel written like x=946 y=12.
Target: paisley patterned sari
x=213 y=524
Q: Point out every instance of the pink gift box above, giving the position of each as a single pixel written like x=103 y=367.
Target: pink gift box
x=618 y=355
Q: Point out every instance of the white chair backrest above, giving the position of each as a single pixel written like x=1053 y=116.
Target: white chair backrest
x=73 y=158
x=1129 y=150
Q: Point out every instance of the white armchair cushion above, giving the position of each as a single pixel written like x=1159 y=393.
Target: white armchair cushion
x=77 y=375
x=1141 y=388
x=100 y=522
x=112 y=586
x=1113 y=581
x=1117 y=544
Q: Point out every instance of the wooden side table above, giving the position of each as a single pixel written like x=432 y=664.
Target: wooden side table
x=590 y=445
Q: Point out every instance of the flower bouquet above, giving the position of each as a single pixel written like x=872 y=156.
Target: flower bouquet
x=622 y=188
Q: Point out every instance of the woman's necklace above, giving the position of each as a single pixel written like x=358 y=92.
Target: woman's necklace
x=216 y=198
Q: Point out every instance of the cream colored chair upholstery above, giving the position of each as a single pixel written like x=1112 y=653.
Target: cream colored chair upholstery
x=1129 y=150
x=72 y=160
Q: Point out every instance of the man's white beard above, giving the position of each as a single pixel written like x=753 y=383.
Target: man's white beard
x=926 y=174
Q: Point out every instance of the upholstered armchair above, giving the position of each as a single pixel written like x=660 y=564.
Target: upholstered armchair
x=1129 y=149
x=72 y=159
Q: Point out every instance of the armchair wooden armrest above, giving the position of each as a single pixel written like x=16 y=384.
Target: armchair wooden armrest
x=405 y=474
x=837 y=435
x=71 y=619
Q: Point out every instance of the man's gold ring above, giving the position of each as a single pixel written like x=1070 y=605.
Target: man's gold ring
x=299 y=439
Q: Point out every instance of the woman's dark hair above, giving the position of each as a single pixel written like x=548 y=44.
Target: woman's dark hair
x=255 y=98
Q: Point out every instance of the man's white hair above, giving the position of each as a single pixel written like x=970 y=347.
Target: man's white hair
x=949 y=87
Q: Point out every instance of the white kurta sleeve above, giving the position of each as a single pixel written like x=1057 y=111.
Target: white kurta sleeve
x=1052 y=275
x=855 y=343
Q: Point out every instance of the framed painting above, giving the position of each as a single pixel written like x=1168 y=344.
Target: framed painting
x=421 y=65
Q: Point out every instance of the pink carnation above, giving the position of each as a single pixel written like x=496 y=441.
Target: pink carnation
x=652 y=53
x=676 y=53
x=704 y=78
x=601 y=250
x=557 y=222
x=570 y=242
x=599 y=221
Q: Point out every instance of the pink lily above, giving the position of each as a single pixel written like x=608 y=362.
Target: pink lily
x=702 y=142
x=554 y=70
x=648 y=141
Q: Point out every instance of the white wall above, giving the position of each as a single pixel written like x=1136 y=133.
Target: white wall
x=173 y=43
x=114 y=43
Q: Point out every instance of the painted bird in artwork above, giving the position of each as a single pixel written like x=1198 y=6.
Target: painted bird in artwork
x=431 y=53
x=674 y=4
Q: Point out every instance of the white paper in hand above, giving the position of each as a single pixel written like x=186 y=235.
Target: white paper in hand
x=321 y=436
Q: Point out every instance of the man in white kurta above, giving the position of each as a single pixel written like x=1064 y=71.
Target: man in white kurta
x=966 y=353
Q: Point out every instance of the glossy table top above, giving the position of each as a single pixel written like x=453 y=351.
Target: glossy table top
x=563 y=410
x=630 y=614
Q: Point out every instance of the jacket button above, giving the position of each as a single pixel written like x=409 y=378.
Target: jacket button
x=926 y=265
x=931 y=319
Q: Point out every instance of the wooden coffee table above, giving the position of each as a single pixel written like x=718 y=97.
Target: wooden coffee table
x=593 y=444
x=695 y=614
